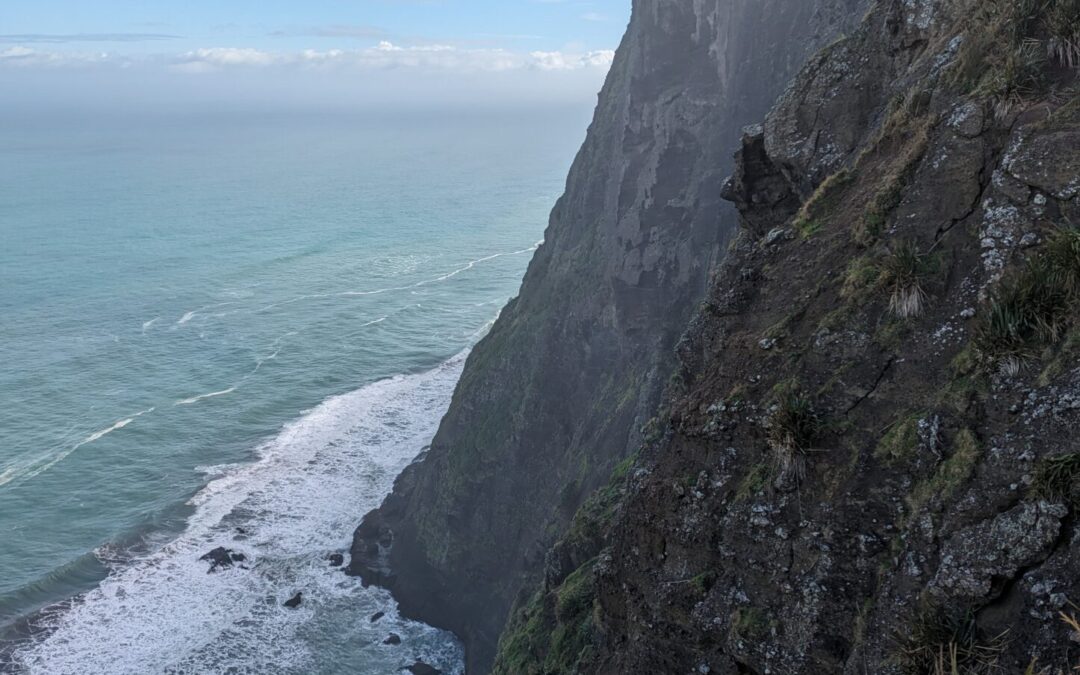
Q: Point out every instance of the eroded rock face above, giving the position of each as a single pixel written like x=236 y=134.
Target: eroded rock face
x=559 y=390
x=995 y=549
x=919 y=494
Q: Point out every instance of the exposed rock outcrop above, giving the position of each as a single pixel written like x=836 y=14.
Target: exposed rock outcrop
x=557 y=394
x=867 y=456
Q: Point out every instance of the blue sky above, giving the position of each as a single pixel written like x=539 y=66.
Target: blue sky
x=83 y=54
x=141 y=26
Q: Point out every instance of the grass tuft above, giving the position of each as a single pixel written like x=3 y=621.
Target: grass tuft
x=1063 y=254
x=904 y=269
x=1062 y=24
x=1029 y=311
x=794 y=428
x=1007 y=54
x=811 y=217
x=948 y=642
x=1057 y=479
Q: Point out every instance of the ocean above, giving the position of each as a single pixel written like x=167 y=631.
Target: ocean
x=236 y=330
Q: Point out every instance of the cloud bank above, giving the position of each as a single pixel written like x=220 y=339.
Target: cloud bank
x=384 y=74
x=383 y=56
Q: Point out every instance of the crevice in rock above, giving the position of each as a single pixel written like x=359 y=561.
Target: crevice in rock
x=877 y=383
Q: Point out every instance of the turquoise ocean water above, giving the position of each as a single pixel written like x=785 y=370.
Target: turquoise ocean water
x=236 y=330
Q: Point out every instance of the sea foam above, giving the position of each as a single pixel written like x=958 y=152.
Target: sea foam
x=285 y=512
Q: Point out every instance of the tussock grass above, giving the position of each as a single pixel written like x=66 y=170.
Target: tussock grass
x=1007 y=53
x=1032 y=309
x=1063 y=254
x=1057 y=479
x=794 y=427
x=1062 y=24
x=904 y=270
x=945 y=641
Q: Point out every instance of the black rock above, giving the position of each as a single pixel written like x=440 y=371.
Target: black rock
x=394 y=639
x=376 y=616
x=238 y=557
x=295 y=601
x=421 y=668
x=336 y=560
x=220 y=557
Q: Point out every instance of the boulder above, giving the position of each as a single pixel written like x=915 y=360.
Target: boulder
x=219 y=558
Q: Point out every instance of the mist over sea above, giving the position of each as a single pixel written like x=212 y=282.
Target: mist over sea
x=235 y=330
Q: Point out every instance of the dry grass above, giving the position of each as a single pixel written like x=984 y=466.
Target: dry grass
x=1062 y=25
x=904 y=270
x=793 y=428
x=944 y=642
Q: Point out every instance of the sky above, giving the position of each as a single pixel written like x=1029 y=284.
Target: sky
x=103 y=54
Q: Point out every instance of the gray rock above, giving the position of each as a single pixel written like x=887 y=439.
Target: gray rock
x=972 y=558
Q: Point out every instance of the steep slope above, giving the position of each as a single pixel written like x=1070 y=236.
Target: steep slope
x=867 y=461
x=556 y=395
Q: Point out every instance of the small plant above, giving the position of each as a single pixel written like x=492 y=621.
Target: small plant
x=794 y=427
x=1027 y=312
x=751 y=623
x=809 y=219
x=1019 y=78
x=948 y=642
x=1062 y=24
x=904 y=269
x=1063 y=255
x=863 y=276
x=1057 y=479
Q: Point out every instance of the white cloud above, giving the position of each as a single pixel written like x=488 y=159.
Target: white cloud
x=567 y=61
x=383 y=56
x=25 y=57
x=389 y=56
x=230 y=56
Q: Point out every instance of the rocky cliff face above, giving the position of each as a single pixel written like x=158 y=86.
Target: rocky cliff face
x=867 y=461
x=558 y=392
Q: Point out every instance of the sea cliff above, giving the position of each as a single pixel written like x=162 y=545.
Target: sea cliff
x=831 y=438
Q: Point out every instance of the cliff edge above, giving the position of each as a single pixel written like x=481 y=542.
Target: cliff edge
x=557 y=394
x=866 y=461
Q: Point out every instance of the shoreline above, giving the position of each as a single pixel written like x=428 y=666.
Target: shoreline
x=25 y=636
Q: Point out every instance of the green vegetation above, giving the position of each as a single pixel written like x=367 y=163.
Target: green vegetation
x=945 y=641
x=862 y=278
x=1032 y=309
x=1006 y=56
x=950 y=475
x=812 y=215
x=1057 y=479
x=900 y=441
x=1062 y=24
x=1062 y=252
x=1065 y=358
x=751 y=623
x=891 y=159
x=754 y=481
x=904 y=270
x=553 y=634
x=794 y=428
